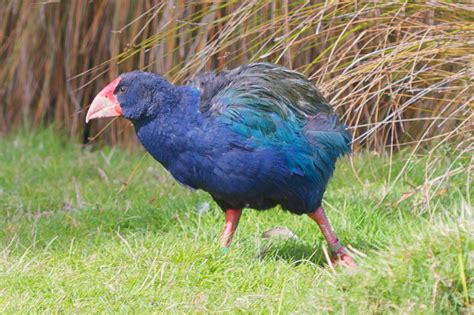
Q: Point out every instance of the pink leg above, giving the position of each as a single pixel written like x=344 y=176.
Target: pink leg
x=232 y=217
x=339 y=253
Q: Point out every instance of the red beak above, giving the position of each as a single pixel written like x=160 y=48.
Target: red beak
x=105 y=104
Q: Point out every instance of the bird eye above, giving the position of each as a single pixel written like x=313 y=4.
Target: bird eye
x=123 y=89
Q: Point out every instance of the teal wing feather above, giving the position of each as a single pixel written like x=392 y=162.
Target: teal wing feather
x=264 y=87
x=274 y=106
x=330 y=138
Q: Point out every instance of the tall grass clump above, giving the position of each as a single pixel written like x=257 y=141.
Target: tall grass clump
x=400 y=73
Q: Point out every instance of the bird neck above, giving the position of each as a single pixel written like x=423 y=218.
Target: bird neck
x=164 y=136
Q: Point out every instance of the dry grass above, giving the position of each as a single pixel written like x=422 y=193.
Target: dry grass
x=399 y=73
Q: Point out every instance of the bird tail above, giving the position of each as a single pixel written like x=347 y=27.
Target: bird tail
x=330 y=139
x=325 y=132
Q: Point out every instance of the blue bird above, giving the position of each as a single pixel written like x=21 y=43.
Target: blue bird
x=254 y=137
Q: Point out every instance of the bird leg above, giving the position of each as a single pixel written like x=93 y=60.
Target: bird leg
x=338 y=252
x=232 y=217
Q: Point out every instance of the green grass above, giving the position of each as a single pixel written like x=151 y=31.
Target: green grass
x=74 y=238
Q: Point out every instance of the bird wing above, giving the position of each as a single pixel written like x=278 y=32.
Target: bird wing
x=262 y=87
x=272 y=105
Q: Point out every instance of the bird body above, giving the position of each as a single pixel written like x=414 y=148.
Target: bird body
x=247 y=138
x=253 y=137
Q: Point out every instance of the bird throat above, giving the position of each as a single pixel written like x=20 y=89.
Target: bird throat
x=165 y=135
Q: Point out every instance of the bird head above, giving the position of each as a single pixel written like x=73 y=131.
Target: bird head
x=133 y=95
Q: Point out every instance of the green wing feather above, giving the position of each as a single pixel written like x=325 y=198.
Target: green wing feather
x=263 y=87
x=277 y=107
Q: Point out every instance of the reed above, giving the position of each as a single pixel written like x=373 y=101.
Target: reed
x=399 y=73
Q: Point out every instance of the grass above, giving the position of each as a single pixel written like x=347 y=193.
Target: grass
x=110 y=231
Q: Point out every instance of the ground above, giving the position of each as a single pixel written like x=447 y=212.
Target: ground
x=105 y=230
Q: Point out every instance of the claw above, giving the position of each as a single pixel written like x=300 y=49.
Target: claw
x=341 y=257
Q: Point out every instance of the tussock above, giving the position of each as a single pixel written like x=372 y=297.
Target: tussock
x=400 y=73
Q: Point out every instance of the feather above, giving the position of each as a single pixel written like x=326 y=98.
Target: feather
x=276 y=107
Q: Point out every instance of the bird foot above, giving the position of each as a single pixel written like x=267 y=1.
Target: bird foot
x=341 y=257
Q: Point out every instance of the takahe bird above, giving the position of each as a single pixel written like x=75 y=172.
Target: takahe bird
x=254 y=137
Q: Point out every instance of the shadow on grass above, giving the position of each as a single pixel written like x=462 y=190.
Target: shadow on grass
x=297 y=252
x=293 y=251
